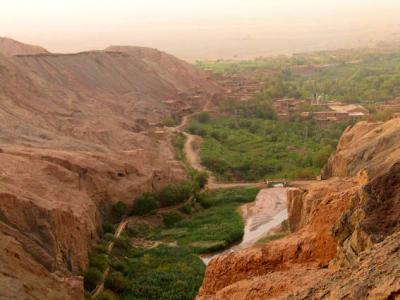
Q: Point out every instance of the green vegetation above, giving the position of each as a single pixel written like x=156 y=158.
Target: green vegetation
x=145 y=204
x=169 y=266
x=93 y=277
x=239 y=148
x=353 y=75
x=179 y=142
x=172 y=218
x=216 y=227
x=175 y=193
x=172 y=194
x=170 y=273
x=118 y=210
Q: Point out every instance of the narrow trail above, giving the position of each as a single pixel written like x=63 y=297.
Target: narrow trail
x=193 y=157
x=121 y=227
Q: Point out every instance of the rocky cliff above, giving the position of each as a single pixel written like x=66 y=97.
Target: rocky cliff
x=79 y=132
x=345 y=232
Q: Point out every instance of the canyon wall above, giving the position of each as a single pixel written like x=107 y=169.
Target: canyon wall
x=345 y=231
x=78 y=133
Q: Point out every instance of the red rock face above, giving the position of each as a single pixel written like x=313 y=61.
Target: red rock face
x=76 y=136
x=345 y=232
x=372 y=147
x=311 y=246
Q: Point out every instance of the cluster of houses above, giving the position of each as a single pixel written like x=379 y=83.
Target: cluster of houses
x=238 y=88
x=331 y=111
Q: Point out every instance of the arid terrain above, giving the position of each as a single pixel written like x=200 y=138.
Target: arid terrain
x=78 y=133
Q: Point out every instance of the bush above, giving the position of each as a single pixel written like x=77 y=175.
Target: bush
x=121 y=246
x=121 y=266
x=98 y=261
x=108 y=228
x=118 y=210
x=186 y=209
x=108 y=236
x=106 y=295
x=100 y=248
x=171 y=218
x=138 y=229
x=145 y=204
x=200 y=179
x=116 y=282
x=227 y=196
x=92 y=278
x=175 y=193
x=203 y=117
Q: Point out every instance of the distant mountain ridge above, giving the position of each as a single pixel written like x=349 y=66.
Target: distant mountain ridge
x=10 y=47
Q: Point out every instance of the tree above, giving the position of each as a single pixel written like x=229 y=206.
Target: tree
x=145 y=204
x=116 y=282
x=91 y=278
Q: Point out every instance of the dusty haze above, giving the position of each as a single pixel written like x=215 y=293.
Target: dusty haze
x=203 y=29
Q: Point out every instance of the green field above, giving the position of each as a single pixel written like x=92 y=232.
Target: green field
x=352 y=75
x=237 y=148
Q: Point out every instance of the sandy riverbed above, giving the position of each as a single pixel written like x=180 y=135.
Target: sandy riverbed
x=265 y=213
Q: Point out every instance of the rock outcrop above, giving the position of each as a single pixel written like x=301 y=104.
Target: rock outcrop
x=79 y=132
x=366 y=147
x=345 y=241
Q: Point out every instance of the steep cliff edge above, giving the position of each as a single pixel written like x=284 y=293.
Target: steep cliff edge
x=345 y=232
x=76 y=136
x=369 y=147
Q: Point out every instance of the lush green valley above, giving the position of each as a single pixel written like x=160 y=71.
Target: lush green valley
x=150 y=261
x=251 y=149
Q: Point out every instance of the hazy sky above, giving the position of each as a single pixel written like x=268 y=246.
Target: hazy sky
x=201 y=28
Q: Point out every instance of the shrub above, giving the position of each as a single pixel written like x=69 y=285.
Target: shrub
x=193 y=129
x=215 y=134
x=203 y=117
x=121 y=246
x=169 y=121
x=116 y=282
x=108 y=236
x=106 y=295
x=171 y=218
x=100 y=248
x=118 y=210
x=108 y=228
x=138 y=228
x=186 y=209
x=200 y=179
x=202 y=132
x=175 y=193
x=92 y=278
x=98 y=261
x=145 y=204
x=121 y=266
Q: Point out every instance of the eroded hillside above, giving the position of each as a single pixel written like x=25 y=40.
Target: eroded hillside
x=78 y=133
x=345 y=232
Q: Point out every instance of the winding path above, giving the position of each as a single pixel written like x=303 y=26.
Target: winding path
x=121 y=227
